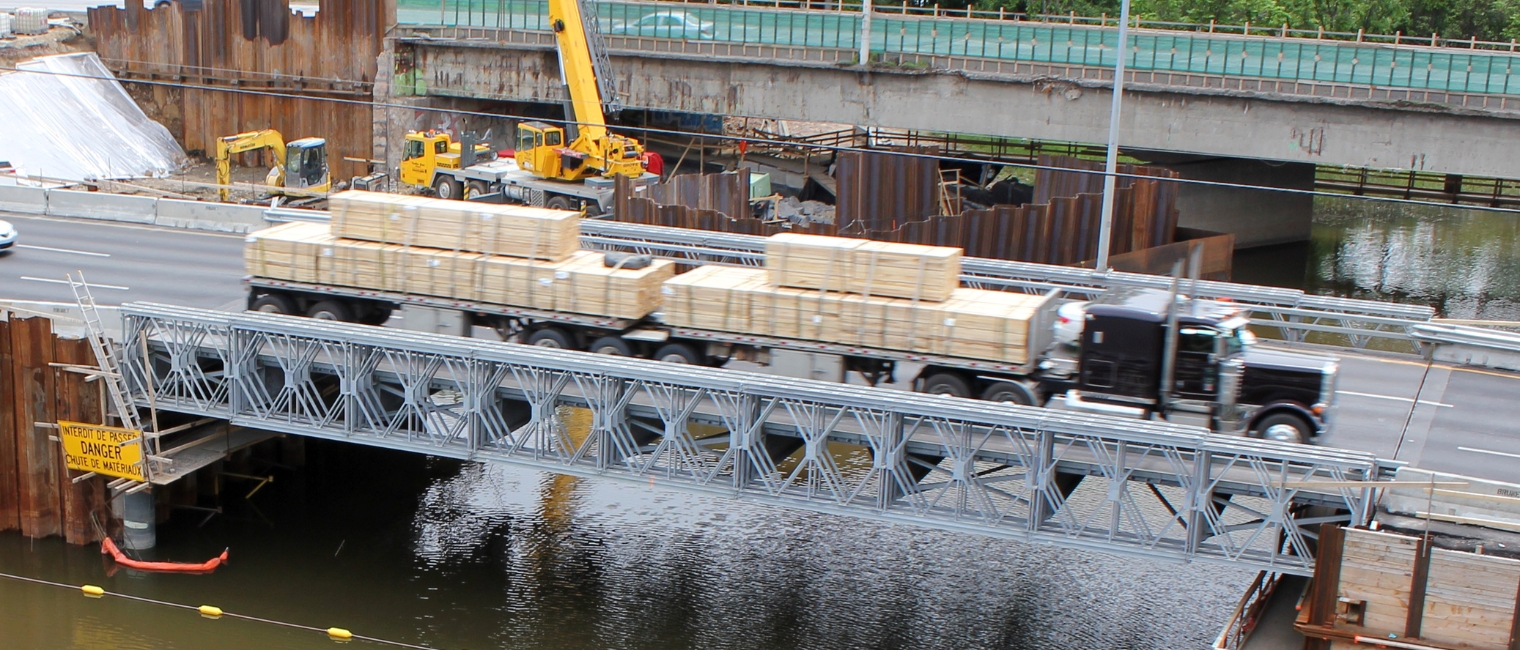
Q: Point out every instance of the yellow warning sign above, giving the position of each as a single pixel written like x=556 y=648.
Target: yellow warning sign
x=103 y=450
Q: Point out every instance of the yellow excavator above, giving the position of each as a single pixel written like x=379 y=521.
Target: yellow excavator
x=561 y=167
x=299 y=164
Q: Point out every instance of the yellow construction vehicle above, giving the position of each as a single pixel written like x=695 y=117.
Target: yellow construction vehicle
x=559 y=167
x=299 y=164
x=584 y=147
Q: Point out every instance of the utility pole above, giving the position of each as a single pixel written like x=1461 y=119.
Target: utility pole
x=1105 y=231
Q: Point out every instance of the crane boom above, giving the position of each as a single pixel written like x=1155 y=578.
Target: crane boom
x=577 y=66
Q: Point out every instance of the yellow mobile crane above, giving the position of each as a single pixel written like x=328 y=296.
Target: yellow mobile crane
x=560 y=167
x=299 y=164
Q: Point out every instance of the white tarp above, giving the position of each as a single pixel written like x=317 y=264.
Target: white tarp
x=66 y=117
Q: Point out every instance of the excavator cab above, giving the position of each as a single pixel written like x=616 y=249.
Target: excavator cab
x=541 y=149
x=306 y=164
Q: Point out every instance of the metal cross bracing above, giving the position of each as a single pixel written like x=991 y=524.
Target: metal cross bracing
x=1296 y=317
x=1149 y=489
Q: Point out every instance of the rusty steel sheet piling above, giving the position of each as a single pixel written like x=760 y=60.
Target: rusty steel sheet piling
x=38 y=494
x=38 y=460
x=10 y=487
x=231 y=50
x=898 y=198
x=86 y=509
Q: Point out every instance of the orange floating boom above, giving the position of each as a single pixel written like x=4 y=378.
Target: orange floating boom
x=108 y=547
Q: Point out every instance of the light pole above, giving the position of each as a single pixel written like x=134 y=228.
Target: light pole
x=865 y=32
x=1105 y=230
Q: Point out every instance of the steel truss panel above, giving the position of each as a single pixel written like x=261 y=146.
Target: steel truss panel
x=1148 y=489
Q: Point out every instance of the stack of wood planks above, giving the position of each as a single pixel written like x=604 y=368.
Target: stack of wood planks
x=799 y=296
x=576 y=281
x=513 y=230
x=870 y=268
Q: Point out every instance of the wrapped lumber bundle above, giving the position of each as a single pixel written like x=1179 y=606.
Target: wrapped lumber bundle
x=972 y=323
x=511 y=230
x=870 y=268
x=582 y=283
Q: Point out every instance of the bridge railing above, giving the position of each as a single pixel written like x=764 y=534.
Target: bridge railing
x=905 y=40
x=1148 y=489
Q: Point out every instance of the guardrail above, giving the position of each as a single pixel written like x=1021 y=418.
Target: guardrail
x=1150 y=489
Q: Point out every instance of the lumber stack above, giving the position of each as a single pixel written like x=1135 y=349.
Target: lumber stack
x=1377 y=567
x=579 y=283
x=512 y=230
x=871 y=268
x=972 y=323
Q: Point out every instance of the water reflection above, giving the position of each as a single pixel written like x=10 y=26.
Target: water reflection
x=1460 y=261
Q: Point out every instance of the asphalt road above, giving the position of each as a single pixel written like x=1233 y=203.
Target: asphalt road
x=1435 y=416
x=122 y=263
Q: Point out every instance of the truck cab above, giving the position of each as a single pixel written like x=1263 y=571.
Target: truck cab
x=1130 y=363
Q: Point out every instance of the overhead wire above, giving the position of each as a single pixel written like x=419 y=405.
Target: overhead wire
x=752 y=140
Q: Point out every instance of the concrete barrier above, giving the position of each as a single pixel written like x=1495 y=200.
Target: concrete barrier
x=1491 y=504
x=201 y=215
x=23 y=200
x=103 y=206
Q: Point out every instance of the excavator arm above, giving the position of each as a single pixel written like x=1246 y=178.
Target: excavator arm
x=243 y=142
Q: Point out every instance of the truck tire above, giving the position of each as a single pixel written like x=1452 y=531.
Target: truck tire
x=476 y=189
x=947 y=383
x=1007 y=392
x=447 y=188
x=612 y=345
x=273 y=303
x=678 y=353
x=377 y=314
x=560 y=203
x=1283 y=427
x=331 y=310
x=551 y=337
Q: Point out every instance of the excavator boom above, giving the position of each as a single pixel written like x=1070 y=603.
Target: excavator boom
x=226 y=146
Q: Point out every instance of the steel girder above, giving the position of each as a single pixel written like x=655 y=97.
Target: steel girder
x=1149 y=489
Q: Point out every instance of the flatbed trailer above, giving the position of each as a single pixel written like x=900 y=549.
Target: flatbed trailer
x=649 y=337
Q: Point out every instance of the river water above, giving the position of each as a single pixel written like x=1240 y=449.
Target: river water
x=460 y=555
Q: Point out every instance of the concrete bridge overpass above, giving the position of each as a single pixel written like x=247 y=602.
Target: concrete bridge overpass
x=1278 y=99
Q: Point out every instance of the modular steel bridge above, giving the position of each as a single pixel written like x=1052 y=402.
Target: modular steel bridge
x=1149 y=489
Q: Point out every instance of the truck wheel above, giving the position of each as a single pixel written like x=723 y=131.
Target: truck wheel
x=1283 y=427
x=551 y=337
x=1007 y=392
x=560 y=203
x=273 y=303
x=947 y=383
x=475 y=189
x=331 y=310
x=376 y=315
x=612 y=345
x=678 y=353
x=447 y=188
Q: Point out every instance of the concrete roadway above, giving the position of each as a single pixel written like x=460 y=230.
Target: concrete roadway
x=1435 y=416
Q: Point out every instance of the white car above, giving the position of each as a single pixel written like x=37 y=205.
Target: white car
x=665 y=24
x=1070 y=320
x=7 y=236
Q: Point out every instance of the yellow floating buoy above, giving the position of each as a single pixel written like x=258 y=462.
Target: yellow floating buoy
x=92 y=591
x=339 y=633
x=210 y=611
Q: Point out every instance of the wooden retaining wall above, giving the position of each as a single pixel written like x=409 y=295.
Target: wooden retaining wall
x=37 y=492
x=1377 y=585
